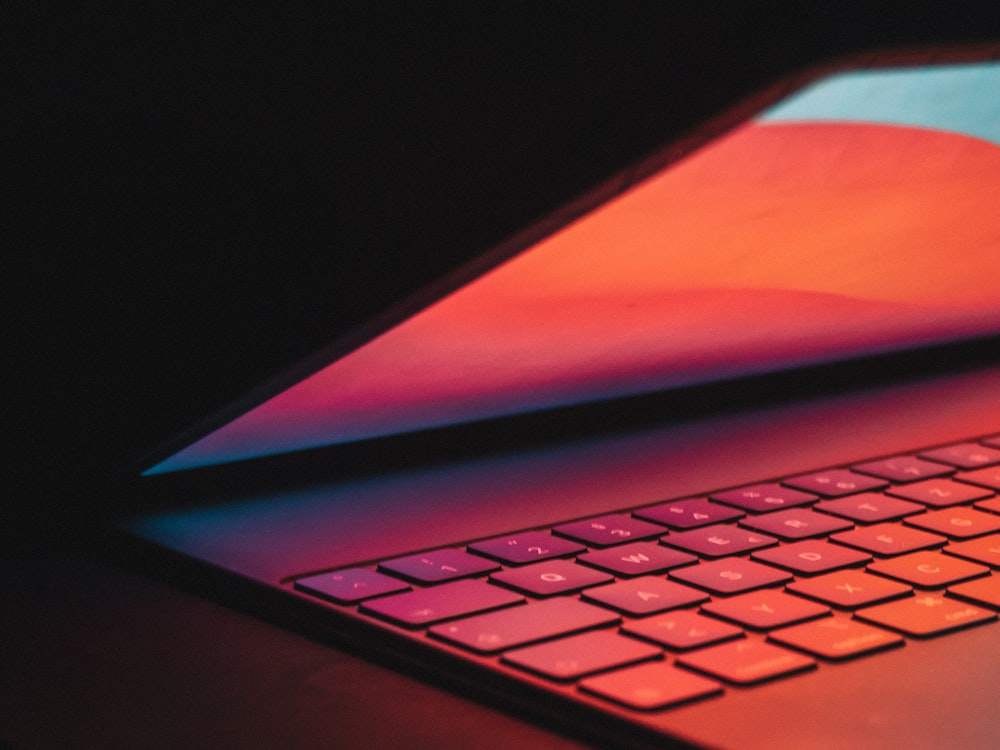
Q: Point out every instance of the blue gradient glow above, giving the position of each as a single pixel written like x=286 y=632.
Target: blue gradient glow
x=956 y=98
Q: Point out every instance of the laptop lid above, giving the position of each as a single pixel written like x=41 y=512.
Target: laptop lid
x=849 y=219
x=833 y=253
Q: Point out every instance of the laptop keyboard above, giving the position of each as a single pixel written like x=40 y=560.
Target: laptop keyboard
x=685 y=599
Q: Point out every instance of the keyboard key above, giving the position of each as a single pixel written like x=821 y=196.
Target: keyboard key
x=638 y=558
x=580 y=655
x=526 y=547
x=926 y=615
x=964 y=455
x=940 y=493
x=957 y=523
x=651 y=686
x=928 y=570
x=835 y=483
x=438 y=565
x=765 y=609
x=796 y=523
x=982 y=590
x=664 y=605
x=645 y=596
x=519 y=626
x=903 y=469
x=682 y=630
x=745 y=662
x=989 y=477
x=689 y=514
x=761 y=498
x=870 y=507
x=436 y=603
x=984 y=549
x=551 y=577
x=836 y=638
x=849 y=589
x=812 y=556
x=730 y=576
x=605 y=531
x=718 y=541
x=350 y=586
x=990 y=506
x=888 y=539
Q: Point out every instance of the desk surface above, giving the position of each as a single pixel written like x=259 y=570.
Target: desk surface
x=203 y=196
x=93 y=656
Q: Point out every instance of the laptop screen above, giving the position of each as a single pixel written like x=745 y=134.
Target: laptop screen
x=859 y=216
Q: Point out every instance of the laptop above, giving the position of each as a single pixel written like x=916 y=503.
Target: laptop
x=709 y=458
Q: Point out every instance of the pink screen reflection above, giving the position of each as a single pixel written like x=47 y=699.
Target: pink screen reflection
x=781 y=244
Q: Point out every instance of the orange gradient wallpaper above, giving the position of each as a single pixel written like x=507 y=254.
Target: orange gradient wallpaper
x=826 y=228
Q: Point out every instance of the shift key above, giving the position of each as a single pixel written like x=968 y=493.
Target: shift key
x=518 y=626
x=423 y=607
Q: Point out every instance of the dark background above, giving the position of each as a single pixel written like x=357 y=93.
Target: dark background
x=199 y=194
x=195 y=195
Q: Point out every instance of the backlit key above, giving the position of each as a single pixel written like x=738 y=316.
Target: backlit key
x=926 y=615
x=762 y=498
x=940 y=493
x=682 y=630
x=904 y=469
x=989 y=477
x=438 y=565
x=849 y=588
x=928 y=570
x=812 y=556
x=551 y=577
x=958 y=523
x=425 y=606
x=888 y=539
x=639 y=558
x=350 y=586
x=746 y=662
x=990 y=506
x=796 y=523
x=605 y=531
x=730 y=576
x=835 y=483
x=718 y=541
x=984 y=549
x=870 y=508
x=689 y=514
x=526 y=547
x=520 y=626
x=651 y=686
x=964 y=455
x=765 y=609
x=982 y=590
x=644 y=596
x=836 y=638
x=580 y=655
